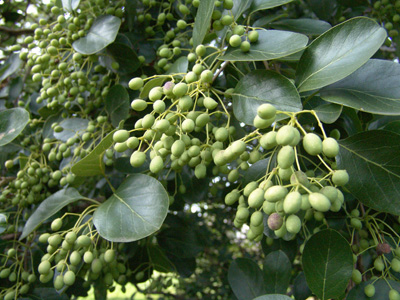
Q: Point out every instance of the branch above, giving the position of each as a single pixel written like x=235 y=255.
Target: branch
x=12 y=31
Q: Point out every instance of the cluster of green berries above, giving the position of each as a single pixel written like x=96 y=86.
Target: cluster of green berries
x=388 y=13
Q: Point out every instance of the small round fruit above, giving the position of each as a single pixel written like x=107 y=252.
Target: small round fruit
x=178 y=147
x=206 y=76
x=256 y=198
x=69 y=278
x=275 y=221
x=275 y=193
x=312 y=144
x=210 y=103
x=293 y=224
x=330 y=147
x=44 y=267
x=245 y=46
x=340 y=177
x=379 y=264
x=394 y=295
x=136 y=83
x=137 y=159
x=292 y=203
x=156 y=164
x=139 y=104
x=395 y=264
x=120 y=136
x=266 y=111
x=285 y=135
x=253 y=36
x=356 y=276
x=256 y=218
x=319 y=202
x=56 y=224
x=286 y=157
x=235 y=40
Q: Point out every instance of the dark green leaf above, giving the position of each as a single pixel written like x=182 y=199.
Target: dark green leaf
x=300 y=287
x=70 y=5
x=262 y=86
x=11 y=65
x=12 y=122
x=272 y=44
x=180 y=241
x=256 y=171
x=305 y=26
x=273 y=297
x=324 y=9
x=158 y=81
x=92 y=164
x=267 y=4
x=117 y=104
x=72 y=127
x=289 y=247
x=179 y=66
x=372 y=88
x=126 y=58
x=15 y=88
x=264 y=21
x=202 y=21
x=327 y=112
x=159 y=260
x=372 y=160
x=277 y=272
x=47 y=294
x=136 y=210
x=393 y=126
x=381 y=290
x=327 y=264
x=239 y=7
x=122 y=164
x=338 y=52
x=246 y=279
x=49 y=207
x=102 y=33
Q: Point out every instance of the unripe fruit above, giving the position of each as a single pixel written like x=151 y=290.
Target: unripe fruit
x=75 y=258
x=256 y=198
x=275 y=221
x=139 y=104
x=292 y=203
x=180 y=89
x=356 y=276
x=109 y=256
x=395 y=264
x=356 y=223
x=155 y=94
x=178 y=147
x=132 y=142
x=242 y=214
x=253 y=36
x=120 y=136
x=330 y=147
x=251 y=186
x=394 y=295
x=69 y=278
x=256 y=219
x=137 y=159
x=266 y=111
x=44 y=267
x=235 y=40
x=56 y=224
x=293 y=224
x=379 y=264
x=200 y=172
x=70 y=237
x=206 y=76
x=319 y=202
x=156 y=164
x=245 y=46
x=275 y=193
x=136 y=83
x=262 y=123
x=312 y=144
x=268 y=140
x=340 y=177
x=200 y=50
x=210 y=103
x=285 y=135
x=286 y=157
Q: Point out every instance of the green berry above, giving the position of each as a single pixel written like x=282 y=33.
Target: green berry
x=120 y=136
x=256 y=198
x=137 y=159
x=206 y=76
x=69 y=278
x=340 y=177
x=292 y=203
x=275 y=193
x=356 y=276
x=56 y=224
x=156 y=164
x=394 y=295
x=136 y=83
x=266 y=111
x=180 y=89
x=330 y=147
x=253 y=36
x=245 y=46
x=319 y=202
x=235 y=40
x=312 y=144
x=285 y=135
x=286 y=157
x=293 y=224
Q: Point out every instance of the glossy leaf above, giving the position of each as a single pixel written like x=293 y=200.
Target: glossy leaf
x=301 y=290
x=277 y=272
x=125 y=56
x=246 y=279
x=272 y=44
x=49 y=207
x=262 y=86
x=101 y=34
x=159 y=260
x=381 y=290
x=179 y=66
x=151 y=84
x=72 y=127
x=202 y=21
x=324 y=9
x=256 y=171
x=327 y=112
x=372 y=88
x=136 y=210
x=70 y=5
x=239 y=7
x=273 y=297
x=117 y=104
x=338 y=52
x=12 y=122
x=180 y=241
x=267 y=4
x=92 y=164
x=327 y=264
x=372 y=160
x=11 y=65
x=305 y=26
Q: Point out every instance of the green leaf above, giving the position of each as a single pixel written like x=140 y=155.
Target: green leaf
x=136 y=210
x=179 y=66
x=381 y=290
x=372 y=160
x=324 y=9
x=372 y=88
x=49 y=207
x=12 y=122
x=117 y=104
x=246 y=279
x=277 y=272
x=393 y=126
x=239 y=7
x=159 y=260
x=263 y=86
x=70 y=5
x=125 y=56
x=267 y=4
x=92 y=164
x=180 y=241
x=300 y=287
x=44 y=293
x=102 y=33
x=72 y=127
x=338 y=52
x=273 y=297
x=305 y=26
x=327 y=264
x=202 y=21
x=327 y=112
x=256 y=171
x=11 y=65
x=272 y=44
x=158 y=81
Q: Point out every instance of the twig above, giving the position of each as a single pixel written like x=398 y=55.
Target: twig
x=12 y=31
